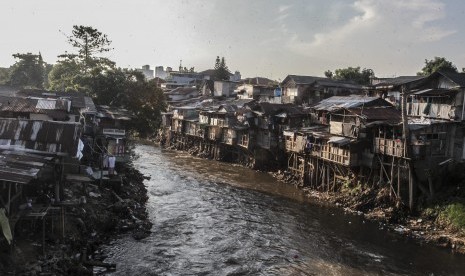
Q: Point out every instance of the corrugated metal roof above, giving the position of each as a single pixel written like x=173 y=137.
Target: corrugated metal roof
x=378 y=113
x=45 y=136
x=89 y=105
x=339 y=84
x=302 y=79
x=78 y=100
x=458 y=78
x=182 y=91
x=435 y=92
x=338 y=102
x=398 y=81
x=55 y=109
x=20 y=167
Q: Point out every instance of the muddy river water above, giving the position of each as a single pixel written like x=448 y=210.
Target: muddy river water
x=212 y=218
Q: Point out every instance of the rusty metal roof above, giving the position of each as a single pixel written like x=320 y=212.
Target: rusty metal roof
x=339 y=102
x=40 y=136
x=56 y=109
x=21 y=167
x=78 y=100
x=378 y=113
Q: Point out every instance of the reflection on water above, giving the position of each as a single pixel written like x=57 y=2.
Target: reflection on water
x=212 y=218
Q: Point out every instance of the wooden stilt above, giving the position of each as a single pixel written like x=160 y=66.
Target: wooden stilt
x=411 y=189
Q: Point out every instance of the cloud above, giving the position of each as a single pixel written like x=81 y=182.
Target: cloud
x=393 y=22
x=283 y=8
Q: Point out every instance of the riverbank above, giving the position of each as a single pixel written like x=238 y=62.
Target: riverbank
x=440 y=222
x=94 y=216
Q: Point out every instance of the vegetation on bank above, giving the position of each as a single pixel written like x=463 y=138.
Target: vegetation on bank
x=449 y=215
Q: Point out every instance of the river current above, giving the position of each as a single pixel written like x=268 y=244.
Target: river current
x=213 y=218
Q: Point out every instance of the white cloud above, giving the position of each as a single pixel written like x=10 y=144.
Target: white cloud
x=283 y=8
x=377 y=32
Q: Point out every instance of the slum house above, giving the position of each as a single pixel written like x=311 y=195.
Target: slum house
x=180 y=94
x=206 y=88
x=269 y=122
x=390 y=89
x=311 y=90
x=244 y=133
x=434 y=138
x=35 y=109
x=430 y=101
x=32 y=158
x=224 y=88
x=224 y=132
x=416 y=161
x=220 y=130
x=256 y=88
x=81 y=107
x=320 y=112
x=332 y=154
x=179 y=125
x=111 y=137
x=165 y=130
x=252 y=91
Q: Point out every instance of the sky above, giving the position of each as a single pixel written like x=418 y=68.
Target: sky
x=267 y=38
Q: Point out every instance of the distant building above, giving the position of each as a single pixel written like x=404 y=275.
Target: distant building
x=223 y=88
x=161 y=73
x=310 y=89
x=148 y=73
x=209 y=75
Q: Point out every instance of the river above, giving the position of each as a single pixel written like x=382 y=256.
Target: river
x=213 y=218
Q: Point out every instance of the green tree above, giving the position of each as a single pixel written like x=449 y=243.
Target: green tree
x=436 y=64
x=83 y=71
x=329 y=74
x=89 y=41
x=28 y=71
x=99 y=78
x=4 y=75
x=221 y=69
x=144 y=99
x=354 y=74
x=66 y=75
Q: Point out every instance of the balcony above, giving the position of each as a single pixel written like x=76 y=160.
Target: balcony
x=392 y=147
x=335 y=154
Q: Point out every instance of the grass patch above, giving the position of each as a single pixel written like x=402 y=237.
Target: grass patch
x=453 y=215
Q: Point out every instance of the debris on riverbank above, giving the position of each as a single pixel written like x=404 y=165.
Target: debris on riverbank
x=94 y=216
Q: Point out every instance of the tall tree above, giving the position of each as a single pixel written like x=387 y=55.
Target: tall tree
x=81 y=71
x=221 y=69
x=99 y=78
x=89 y=41
x=354 y=74
x=436 y=64
x=28 y=71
